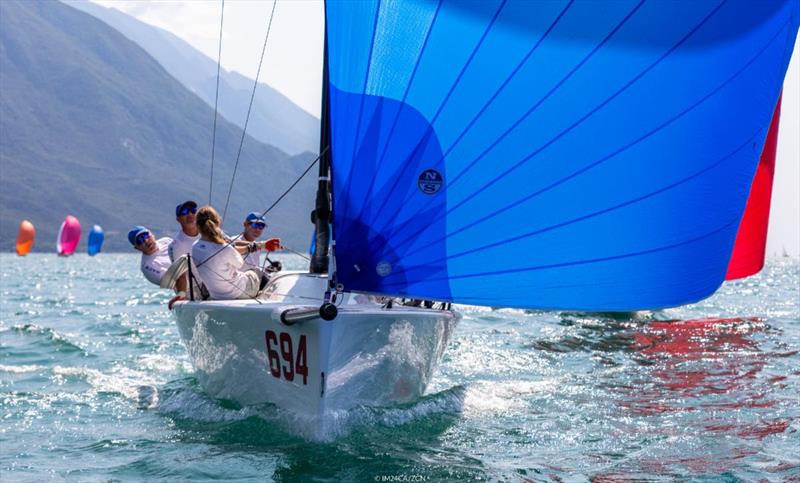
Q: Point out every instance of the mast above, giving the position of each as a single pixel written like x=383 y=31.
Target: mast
x=321 y=216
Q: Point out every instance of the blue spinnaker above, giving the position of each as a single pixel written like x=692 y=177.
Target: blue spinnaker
x=553 y=154
x=96 y=237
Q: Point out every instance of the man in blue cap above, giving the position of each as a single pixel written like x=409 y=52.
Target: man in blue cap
x=186 y=216
x=254 y=226
x=155 y=256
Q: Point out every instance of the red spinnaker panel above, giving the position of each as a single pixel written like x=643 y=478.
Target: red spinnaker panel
x=751 y=240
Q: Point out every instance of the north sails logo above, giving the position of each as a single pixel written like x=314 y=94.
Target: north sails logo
x=383 y=268
x=430 y=181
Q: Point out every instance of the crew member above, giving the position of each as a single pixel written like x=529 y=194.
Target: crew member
x=254 y=226
x=220 y=262
x=186 y=216
x=155 y=256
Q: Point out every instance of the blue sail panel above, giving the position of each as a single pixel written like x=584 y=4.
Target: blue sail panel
x=560 y=154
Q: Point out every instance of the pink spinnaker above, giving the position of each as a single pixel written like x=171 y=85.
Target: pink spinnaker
x=69 y=235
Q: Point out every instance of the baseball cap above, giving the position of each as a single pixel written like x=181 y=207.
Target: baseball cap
x=136 y=231
x=185 y=204
x=254 y=216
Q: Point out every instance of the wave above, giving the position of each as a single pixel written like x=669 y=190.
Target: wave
x=50 y=335
x=191 y=406
x=22 y=369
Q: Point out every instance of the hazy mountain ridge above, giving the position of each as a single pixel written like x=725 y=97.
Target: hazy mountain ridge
x=274 y=119
x=91 y=125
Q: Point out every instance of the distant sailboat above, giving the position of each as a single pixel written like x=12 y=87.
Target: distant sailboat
x=95 y=243
x=68 y=236
x=25 y=238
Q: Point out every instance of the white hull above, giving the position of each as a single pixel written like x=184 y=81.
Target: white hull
x=367 y=355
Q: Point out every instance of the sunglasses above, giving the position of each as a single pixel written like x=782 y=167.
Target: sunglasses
x=258 y=225
x=187 y=210
x=142 y=237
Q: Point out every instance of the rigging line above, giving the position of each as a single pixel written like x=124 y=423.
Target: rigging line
x=236 y=287
x=302 y=175
x=249 y=109
x=237 y=237
x=534 y=107
x=264 y=263
x=294 y=296
x=295 y=252
x=216 y=101
x=231 y=241
x=425 y=137
x=586 y=116
x=364 y=89
x=411 y=78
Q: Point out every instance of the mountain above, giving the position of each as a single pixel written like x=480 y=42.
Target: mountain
x=91 y=125
x=274 y=119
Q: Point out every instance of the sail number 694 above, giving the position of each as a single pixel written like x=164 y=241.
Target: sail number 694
x=283 y=363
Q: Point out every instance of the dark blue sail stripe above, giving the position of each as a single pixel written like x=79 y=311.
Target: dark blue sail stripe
x=597 y=162
x=389 y=138
x=427 y=134
x=519 y=121
x=364 y=88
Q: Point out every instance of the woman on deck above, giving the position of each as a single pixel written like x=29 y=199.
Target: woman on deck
x=220 y=263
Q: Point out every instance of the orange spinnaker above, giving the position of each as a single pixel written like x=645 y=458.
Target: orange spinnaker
x=751 y=239
x=25 y=238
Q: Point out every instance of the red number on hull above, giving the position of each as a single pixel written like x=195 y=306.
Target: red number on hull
x=274 y=358
x=301 y=366
x=290 y=365
x=288 y=356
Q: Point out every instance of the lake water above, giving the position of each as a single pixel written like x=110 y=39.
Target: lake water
x=95 y=385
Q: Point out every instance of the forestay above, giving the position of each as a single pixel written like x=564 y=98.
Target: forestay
x=582 y=155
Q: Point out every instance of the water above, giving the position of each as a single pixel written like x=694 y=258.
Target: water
x=96 y=385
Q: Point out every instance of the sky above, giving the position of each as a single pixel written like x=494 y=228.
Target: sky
x=293 y=60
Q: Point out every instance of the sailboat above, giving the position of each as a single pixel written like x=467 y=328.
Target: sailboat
x=69 y=234
x=95 y=243
x=553 y=155
x=25 y=238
